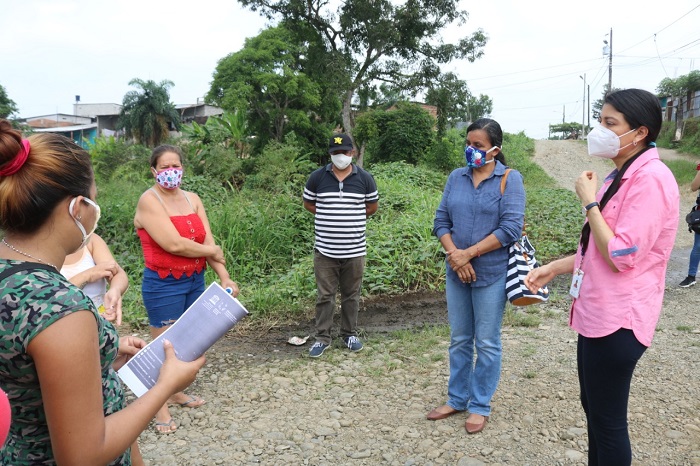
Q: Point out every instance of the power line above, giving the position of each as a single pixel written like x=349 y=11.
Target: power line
x=662 y=29
x=532 y=70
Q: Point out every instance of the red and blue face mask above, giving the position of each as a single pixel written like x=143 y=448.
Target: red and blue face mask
x=476 y=158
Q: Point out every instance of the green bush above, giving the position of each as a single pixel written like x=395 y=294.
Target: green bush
x=402 y=134
x=113 y=157
x=691 y=136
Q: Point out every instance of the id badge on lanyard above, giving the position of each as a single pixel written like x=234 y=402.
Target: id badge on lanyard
x=576 y=280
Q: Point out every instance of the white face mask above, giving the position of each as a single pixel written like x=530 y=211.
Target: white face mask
x=341 y=161
x=603 y=142
x=86 y=236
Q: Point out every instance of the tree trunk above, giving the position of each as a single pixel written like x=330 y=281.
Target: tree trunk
x=349 y=124
x=361 y=155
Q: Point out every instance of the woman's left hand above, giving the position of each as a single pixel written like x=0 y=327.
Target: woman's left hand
x=586 y=187
x=230 y=284
x=128 y=346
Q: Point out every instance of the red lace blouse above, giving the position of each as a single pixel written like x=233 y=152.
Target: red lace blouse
x=158 y=259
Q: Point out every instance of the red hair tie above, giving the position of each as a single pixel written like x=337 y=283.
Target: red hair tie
x=16 y=163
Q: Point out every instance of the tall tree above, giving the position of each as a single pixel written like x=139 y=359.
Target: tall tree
x=266 y=78
x=370 y=41
x=147 y=113
x=451 y=97
x=479 y=107
x=8 y=107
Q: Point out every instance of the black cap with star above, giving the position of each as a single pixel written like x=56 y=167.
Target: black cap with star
x=340 y=142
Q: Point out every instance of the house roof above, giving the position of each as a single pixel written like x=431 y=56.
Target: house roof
x=65 y=129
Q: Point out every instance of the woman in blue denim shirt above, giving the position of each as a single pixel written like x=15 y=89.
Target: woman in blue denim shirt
x=476 y=224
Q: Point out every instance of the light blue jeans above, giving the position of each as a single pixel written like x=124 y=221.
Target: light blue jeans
x=694 y=257
x=475 y=315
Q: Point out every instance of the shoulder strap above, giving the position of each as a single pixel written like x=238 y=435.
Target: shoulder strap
x=157 y=195
x=24 y=266
x=188 y=201
x=503 y=180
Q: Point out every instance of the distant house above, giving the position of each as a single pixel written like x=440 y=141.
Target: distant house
x=198 y=112
x=90 y=121
x=80 y=134
x=689 y=108
x=76 y=127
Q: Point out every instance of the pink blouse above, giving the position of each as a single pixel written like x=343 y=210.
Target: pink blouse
x=643 y=215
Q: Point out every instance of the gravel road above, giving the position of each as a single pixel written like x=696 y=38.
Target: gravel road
x=269 y=404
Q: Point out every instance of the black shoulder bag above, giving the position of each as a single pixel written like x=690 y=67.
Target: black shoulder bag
x=693 y=218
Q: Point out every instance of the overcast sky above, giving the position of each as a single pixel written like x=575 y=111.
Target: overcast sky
x=532 y=68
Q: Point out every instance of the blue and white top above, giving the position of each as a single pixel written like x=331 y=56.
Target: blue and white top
x=341 y=217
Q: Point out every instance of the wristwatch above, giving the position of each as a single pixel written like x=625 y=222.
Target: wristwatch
x=590 y=206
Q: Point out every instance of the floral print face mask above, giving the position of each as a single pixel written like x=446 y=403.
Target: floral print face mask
x=169 y=178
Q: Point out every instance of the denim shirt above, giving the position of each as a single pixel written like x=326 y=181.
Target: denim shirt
x=471 y=214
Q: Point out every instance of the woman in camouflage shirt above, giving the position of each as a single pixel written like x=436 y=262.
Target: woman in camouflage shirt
x=57 y=357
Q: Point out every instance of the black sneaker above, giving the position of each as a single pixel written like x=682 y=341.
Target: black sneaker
x=688 y=282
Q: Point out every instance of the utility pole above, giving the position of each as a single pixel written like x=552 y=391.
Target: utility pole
x=583 y=107
x=610 y=65
x=608 y=50
x=589 y=106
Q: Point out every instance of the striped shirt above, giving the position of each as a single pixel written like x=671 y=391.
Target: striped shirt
x=341 y=217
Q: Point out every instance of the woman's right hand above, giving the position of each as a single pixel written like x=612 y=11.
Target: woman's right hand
x=466 y=273
x=177 y=374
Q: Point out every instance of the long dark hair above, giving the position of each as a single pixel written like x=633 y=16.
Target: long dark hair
x=493 y=131
x=640 y=108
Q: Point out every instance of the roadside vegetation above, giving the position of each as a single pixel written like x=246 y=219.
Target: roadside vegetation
x=257 y=217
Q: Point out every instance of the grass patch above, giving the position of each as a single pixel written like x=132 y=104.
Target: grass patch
x=684 y=328
x=514 y=317
x=683 y=170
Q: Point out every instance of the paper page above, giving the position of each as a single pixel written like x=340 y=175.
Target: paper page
x=213 y=314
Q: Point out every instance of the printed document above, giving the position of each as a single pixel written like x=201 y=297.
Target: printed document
x=213 y=314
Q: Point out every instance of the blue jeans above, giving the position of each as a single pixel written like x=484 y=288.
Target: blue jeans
x=166 y=299
x=694 y=257
x=475 y=315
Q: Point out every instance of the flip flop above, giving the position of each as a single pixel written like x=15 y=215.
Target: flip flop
x=193 y=399
x=170 y=424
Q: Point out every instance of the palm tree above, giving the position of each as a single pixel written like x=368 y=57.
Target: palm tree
x=147 y=112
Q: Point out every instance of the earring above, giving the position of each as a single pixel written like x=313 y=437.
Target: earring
x=79 y=217
x=634 y=143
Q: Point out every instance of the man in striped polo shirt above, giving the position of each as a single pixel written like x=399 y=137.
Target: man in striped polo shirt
x=341 y=196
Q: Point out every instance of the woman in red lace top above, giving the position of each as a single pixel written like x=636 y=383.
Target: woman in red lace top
x=177 y=246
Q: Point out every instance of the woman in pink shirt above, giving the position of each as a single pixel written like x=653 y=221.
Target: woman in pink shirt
x=619 y=270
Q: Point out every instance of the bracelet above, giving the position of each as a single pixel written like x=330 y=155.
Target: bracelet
x=590 y=206
x=478 y=254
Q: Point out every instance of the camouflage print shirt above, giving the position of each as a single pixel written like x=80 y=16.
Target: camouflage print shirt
x=30 y=301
